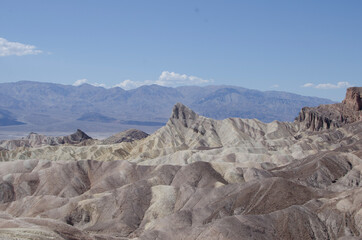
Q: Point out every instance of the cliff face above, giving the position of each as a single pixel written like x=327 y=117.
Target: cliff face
x=321 y=117
x=354 y=98
x=333 y=115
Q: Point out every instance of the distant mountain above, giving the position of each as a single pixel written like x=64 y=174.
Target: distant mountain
x=54 y=107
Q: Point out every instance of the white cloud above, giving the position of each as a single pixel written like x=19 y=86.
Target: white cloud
x=275 y=86
x=99 y=85
x=308 y=85
x=331 y=86
x=328 y=85
x=18 y=49
x=80 y=82
x=175 y=79
x=84 y=80
x=129 y=84
x=169 y=79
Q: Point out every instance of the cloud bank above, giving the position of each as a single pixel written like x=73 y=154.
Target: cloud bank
x=328 y=85
x=167 y=79
x=173 y=79
x=8 y=48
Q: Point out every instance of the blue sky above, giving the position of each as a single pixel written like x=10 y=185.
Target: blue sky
x=307 y=47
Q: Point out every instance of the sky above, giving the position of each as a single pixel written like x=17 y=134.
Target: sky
x=312 y=48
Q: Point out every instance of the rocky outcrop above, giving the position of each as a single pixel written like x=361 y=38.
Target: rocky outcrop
x=333 y=115
x=354 y=98
x=129 y=135
x=6 y=192
x=320 y=118
x=74 y=138
x=184 y=114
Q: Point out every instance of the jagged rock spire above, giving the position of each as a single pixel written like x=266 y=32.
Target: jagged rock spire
x=354 y=98
x=184 y=114
x=333 y=115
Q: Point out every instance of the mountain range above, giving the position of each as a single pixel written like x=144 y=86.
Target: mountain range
x=27 y=106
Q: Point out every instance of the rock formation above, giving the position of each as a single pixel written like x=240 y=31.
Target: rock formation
x=195 y=178
x=333 y=115
x=354 y=98
x=129 y=135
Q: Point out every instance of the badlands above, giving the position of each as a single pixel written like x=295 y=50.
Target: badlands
x=194 y=178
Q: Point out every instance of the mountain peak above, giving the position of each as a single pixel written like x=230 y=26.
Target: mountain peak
x=79 y=135
x=181 y=111
x=184 y=114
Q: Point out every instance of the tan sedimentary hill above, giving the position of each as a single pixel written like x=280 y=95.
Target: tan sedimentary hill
x=195 y=178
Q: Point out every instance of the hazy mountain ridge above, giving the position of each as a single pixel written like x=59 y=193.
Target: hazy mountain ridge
x=64 y=107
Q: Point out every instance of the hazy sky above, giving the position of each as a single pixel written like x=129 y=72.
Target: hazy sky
x=307 y=47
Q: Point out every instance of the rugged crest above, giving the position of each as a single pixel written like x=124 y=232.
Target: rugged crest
x=333 y=115
x=184 y=114
x=129 y=135
x=354 y=98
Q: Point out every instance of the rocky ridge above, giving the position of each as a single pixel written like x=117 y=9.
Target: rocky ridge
x=354 y=98
x=333 y=115
x=38 y=140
